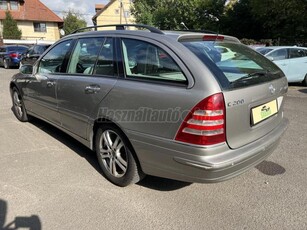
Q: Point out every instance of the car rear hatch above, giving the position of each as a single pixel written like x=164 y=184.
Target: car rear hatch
x=253 y=87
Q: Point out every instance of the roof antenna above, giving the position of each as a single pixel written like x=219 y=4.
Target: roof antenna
x=182 y=23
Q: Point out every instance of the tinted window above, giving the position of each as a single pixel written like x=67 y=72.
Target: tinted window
x=147 y=61
x=105 y=64
x=20 y=49
x=297 y=53
x=280 y=54
x=85 y=55
x=52 y=62
x=264 y=51
x=240 y=65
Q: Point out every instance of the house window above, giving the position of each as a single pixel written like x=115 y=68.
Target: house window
x=3 y=5
x=127 y=14
x=14 y=5
x=39 y=27
x=116 y=11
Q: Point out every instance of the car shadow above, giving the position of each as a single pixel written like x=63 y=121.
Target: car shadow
x=303 y=90
x=20 y=222
x=270 y=168
x=68 y=141
x=151 y=182
x=162 y=184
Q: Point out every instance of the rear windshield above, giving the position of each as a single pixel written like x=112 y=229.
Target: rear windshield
x=233 y=64
x=19 y=49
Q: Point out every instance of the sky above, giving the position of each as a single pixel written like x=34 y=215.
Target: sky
x=86 y=8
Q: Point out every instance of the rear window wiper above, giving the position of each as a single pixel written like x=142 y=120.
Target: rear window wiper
x=251 y=76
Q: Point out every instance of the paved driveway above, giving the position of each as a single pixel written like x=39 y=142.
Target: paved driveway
x=50 y=181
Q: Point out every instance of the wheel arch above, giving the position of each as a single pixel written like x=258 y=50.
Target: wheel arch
x=99 y=122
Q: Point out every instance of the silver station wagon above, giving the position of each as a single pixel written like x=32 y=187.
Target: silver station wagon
x=164 y=103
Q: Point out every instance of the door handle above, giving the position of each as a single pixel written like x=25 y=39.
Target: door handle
x=50 y=83
x=90 y=89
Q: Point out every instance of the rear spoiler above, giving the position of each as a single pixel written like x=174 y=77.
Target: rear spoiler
x=207 y=37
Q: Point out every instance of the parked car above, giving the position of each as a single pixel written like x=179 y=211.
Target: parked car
x=158 y=103
x=10 y=55
x=291 y=59
x=33 y=53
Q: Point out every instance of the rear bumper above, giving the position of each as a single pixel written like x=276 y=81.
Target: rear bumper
x=170 y=159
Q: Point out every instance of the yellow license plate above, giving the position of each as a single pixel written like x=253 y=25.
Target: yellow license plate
x=263 y=112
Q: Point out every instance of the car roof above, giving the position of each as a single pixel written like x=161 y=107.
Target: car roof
x=284 y=47
x=152 y=32
x=175 y=35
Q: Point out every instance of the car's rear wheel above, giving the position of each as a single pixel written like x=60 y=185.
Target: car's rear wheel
x=305 y=80
x=116 y=156
x=6 y=64
x=18 y=106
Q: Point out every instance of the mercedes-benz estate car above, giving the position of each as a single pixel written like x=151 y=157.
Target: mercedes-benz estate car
x=292 y=60
x=161 y=103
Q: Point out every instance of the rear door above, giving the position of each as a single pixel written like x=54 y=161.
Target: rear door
x=91 y=74
x=297 y=69
x=253 y=89
x=255 y=96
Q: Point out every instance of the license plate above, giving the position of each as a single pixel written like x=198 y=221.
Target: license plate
x=263 y=112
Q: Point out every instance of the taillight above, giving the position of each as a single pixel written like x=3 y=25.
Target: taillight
x=13 y=55
x=205 y=124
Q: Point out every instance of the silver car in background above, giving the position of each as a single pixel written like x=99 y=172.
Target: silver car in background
x=158 y=103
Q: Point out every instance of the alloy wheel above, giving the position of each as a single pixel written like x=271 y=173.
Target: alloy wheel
x=113 y=153
x=17 y=104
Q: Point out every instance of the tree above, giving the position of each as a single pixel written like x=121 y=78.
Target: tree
x=282 y=18
x=72 y=22
x=240 y=21
x=195 y=14
x=10 y=28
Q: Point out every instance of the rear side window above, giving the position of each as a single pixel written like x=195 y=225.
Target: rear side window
x=239 y=64
x=85 y=55
x=297 y=53
x=146 y=61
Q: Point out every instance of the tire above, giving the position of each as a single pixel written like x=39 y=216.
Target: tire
x=5 y=64
x=305 y=80
x=18 y=106
x=116 y=156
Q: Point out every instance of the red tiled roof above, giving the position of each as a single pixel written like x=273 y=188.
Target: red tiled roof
x=33 y=10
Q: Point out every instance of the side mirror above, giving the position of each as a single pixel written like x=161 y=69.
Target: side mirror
x=26 y=69
x=28 y=55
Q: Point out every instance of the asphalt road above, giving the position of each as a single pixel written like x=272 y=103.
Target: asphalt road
x=50 y=181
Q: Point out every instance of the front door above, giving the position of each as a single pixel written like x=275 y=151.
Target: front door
x=40 y=96
x=91 y=74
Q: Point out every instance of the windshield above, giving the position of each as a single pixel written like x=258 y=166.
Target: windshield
x=264 y=51
x=240 y=65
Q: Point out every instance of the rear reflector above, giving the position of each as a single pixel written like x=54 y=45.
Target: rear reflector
x=213 y=38
x=205 y=123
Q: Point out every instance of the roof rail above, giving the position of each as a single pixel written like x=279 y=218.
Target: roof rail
x=121 y=27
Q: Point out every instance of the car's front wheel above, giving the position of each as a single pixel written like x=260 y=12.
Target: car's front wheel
x=305 y=80
x=18 y=106
x=116 y=157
